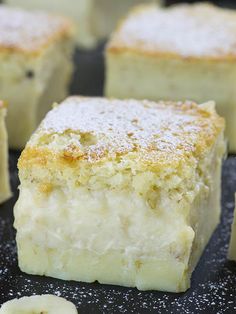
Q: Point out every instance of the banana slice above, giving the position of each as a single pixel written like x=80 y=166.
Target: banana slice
x=38 y=304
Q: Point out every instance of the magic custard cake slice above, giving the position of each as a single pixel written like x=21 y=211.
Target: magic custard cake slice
x=5 y=191
x=123 y=192
x=181 y=52
x=35 y=67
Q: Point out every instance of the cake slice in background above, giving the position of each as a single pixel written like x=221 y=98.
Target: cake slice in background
x=181 y=52
x=95 y=19
x=36 y=66
x=123 y=192
x=5 y=191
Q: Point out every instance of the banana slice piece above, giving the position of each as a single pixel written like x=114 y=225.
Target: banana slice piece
x=38 y=304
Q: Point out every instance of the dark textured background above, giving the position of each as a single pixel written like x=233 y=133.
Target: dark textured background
x=225 y=3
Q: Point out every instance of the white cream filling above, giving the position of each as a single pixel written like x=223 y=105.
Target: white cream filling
x=101 y=221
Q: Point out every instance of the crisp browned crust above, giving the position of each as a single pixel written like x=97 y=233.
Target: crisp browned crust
x=116 y=51
x=95 y=130
x=211 y=31
x=29 y=32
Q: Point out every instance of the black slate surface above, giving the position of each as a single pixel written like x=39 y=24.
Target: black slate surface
x=214 y=281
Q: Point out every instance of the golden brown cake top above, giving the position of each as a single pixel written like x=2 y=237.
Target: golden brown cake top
x=198 y=31
x=95 y=129
x=29 y=32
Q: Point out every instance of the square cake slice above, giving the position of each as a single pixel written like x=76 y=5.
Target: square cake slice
x=123 y=192
x=5 y=191
x=94 y=19
x=181 y=52
x=232 y=245
x=36 y=66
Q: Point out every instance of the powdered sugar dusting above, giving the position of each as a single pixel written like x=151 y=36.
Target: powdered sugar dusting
x=188 y=30
x=125 y=126
x=28 y=31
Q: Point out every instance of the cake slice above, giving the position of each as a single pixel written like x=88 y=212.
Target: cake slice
x=5 y=192
x=36 y=67
x=95 y=19
x=232 y=245
x=181 y=52
x=123 y=192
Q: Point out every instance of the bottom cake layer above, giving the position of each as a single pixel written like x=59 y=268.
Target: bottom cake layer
x=111 y=268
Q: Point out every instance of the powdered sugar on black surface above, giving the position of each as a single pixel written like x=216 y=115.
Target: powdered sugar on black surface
x=213 y=285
